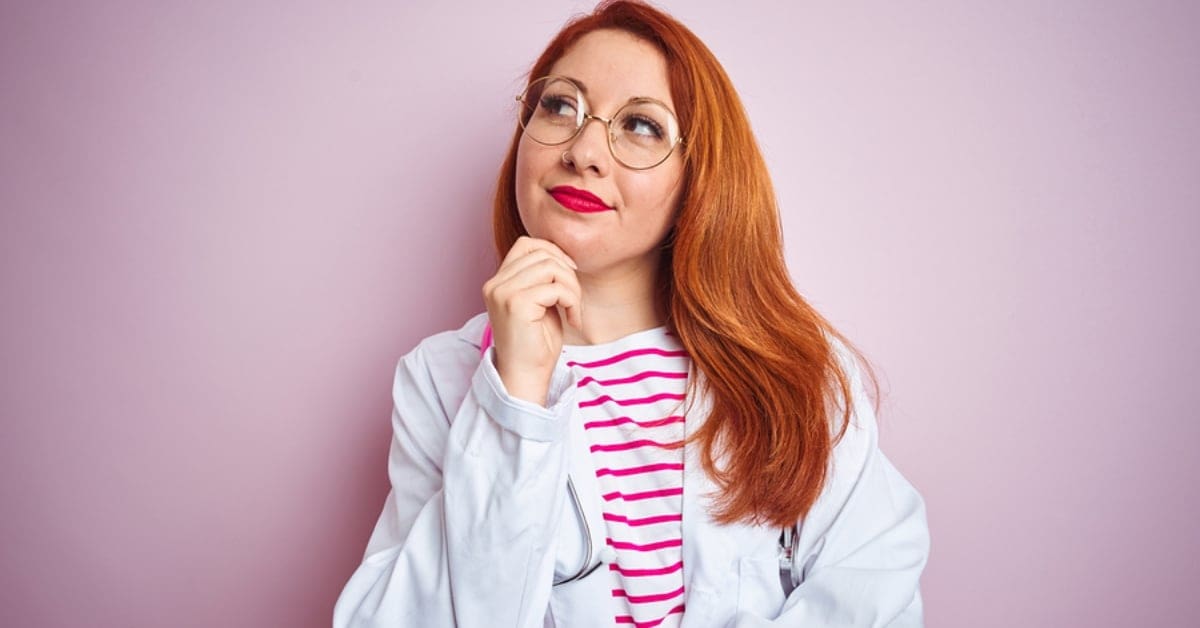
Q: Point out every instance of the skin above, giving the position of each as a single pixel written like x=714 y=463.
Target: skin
x=584 y=278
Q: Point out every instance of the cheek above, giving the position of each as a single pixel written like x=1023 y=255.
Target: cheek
x=529 y=168
x=664 y=193
x=521 y=181
x=522 y=169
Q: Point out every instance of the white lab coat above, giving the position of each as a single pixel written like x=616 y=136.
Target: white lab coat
x=478 y=522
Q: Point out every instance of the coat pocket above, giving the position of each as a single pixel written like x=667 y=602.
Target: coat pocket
x=760 y=591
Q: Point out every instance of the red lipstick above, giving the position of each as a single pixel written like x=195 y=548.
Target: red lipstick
x=578 y=200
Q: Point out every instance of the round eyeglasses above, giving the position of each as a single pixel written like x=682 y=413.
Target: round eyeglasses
x=641 y=134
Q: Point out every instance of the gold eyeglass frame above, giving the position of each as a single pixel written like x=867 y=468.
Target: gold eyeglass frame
x=587 y=117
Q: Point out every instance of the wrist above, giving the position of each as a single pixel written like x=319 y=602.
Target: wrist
x=524 y=385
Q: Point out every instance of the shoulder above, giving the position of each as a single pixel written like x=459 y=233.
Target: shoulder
x=467 y=339
x=858 y=374
x=856 y=431
x=453 y=348
x=444 y=359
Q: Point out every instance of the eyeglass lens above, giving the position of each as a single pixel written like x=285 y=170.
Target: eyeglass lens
x=641 y=135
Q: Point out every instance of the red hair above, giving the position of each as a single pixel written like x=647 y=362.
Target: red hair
x=780 y=395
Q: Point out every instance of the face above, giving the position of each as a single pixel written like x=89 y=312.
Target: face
x=638 y=206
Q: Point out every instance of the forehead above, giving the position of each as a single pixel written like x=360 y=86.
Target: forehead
x=615 y=66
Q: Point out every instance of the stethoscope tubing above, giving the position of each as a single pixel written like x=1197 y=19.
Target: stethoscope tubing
x=586 y=567
x=788 y=540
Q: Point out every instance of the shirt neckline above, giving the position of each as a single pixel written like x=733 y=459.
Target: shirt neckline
x=653 y=337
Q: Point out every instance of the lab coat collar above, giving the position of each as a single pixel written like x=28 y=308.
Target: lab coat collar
x=472 y=331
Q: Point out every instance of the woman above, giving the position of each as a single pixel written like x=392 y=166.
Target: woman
x=649 y=426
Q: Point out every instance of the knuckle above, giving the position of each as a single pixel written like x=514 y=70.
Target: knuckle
x=500 y=296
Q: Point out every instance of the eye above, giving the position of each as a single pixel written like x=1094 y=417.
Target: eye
x=557 y=106
x=642 y=126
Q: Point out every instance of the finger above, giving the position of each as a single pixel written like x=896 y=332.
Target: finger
x=532 y=303
x=575 y=315
x=512 y=268
x=545 y=271
x=528 y=303
x=526 y=245
x=501 y=293
x=531 y=274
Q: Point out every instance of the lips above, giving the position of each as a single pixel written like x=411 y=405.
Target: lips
x=578 y=200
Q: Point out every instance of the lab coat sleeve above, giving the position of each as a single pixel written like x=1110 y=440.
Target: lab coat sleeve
x=467 y=531
x=865 y=542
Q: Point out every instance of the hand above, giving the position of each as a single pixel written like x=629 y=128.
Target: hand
x=523 y=299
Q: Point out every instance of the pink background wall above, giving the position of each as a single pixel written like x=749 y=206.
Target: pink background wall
x=221 y=224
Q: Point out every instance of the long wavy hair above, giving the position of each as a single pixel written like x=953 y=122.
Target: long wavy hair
x=780 y=394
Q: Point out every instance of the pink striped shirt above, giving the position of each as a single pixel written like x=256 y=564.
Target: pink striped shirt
x=631 y=394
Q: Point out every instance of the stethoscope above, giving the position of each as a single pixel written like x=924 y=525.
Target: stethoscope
x=585 y=567
x=788 y=538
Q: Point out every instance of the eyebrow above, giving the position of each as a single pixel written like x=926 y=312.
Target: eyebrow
x=582 y=86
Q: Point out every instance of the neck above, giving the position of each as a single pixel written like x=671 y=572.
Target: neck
x=617 y=304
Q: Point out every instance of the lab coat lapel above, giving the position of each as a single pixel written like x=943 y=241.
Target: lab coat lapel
x=583 y=473
x=584 y=603
x=709 y=565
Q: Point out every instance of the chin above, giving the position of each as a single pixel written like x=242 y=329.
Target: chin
x=572 y=236
x=581 y=250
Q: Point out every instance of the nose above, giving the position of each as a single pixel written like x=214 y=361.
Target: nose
x=589 y=150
